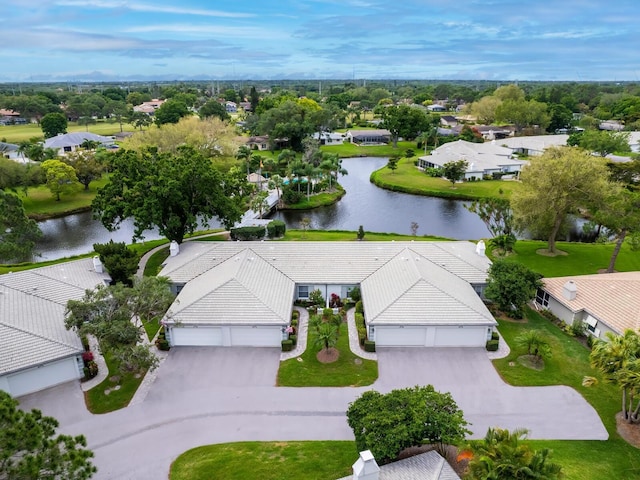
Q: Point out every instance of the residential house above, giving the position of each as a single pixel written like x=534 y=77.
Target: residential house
x=434 y=107
x=10 y=151
x=70 y=142
x=611 y=125
x=606 y=302
x=419 y=294
x=494 y=132
x=246 y=106
x=36 y=350
x=535 y=145
x=149 y=107
x=448 y=121
x=329 y=138
x=368 y=137
x=482 y=158
x=424 y=466
x=230 y=107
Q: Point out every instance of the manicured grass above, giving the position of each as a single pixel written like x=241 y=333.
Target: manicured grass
x=39 y=203
x=98 y=402
x=353 y=150
x=582 y=258
x=344 y=372
x=266 y=461
x=581 y=460
x=346 y=235
x=408 y=179
x=318 y=200
x=154 y=263
x=20 y=133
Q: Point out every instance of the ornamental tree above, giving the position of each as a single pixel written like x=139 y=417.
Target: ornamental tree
x=61 y=178
x=511 y=285
x=53 y=124
x=387 y=424
x=454 y=171
x=31 y=450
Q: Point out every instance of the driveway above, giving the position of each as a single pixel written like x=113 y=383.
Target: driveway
x=555 y=412
x=215 y=395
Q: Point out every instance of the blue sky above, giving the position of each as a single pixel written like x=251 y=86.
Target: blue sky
x=264 y=39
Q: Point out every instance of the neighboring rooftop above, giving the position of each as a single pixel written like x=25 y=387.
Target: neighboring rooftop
x=613 y=298
x=74 y=139
x=424 y=466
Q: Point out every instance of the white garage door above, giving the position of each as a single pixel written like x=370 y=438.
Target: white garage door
x=46 y=376
x=461 y=337
x=256 y=336
x=196 y=336
x=400 y=337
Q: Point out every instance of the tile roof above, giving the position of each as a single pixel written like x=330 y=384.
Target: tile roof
x=32 y=306
x=74 y=139
x=326 y=262
x=239 y=282
x=410 y=289
x=613 y=298
x=424 y=466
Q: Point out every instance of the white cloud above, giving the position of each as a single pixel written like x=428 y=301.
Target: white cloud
x=149 y=8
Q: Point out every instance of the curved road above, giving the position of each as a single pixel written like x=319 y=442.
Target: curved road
x=204 y=395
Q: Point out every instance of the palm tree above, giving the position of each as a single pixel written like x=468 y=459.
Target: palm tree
x=618 y=359
x=326 y=336
x=276 y=181
x=244 y=154
x=502 y=456
x=310 y=172
x=535 y=343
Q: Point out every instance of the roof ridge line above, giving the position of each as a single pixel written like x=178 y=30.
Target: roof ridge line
x=52 y=340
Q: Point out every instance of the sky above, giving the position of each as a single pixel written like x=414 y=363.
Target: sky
x=74 y=40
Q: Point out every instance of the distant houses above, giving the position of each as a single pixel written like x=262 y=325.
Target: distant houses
x=70 y=142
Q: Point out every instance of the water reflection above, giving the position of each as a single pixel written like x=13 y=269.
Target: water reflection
x=379 y=210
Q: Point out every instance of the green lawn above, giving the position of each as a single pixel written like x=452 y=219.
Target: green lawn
x=98 y=402
x=581 y=460
x=21 y=133
x=266 y=461
x=352 y=150
x=154 y=263
x=346 y=235
x=582 y=258
x=408 y=179
x=39 y=203
x=344 y=372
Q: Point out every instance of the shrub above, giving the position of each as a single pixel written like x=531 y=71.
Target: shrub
x=369 y=346
x=294 y=339
x=355 y=294
x=359 y=308
x=120 y=261
x=87 y=357
x=362 y=334
x=492 y=345
x=85 y=372
x=327 y=313
x=578 y=328
x=287 y=345
x=291 y=196
x=335 y=301
x=295 y=315
x=495 y=336
x=247 y=233
x=93 y=368
x=316 y=298
x=276 y=228
x=294 y=322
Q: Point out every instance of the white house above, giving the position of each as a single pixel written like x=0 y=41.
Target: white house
x=606 y=302
x=10 y=151
x=534 y=145
x=329 y=138
x=36 y=350
x=434 y=107
x=482 y=158
x=241 y=293
x=70 y=142
x=368 y=137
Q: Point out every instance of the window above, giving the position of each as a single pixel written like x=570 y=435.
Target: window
x=303 y=291
x=542 y=298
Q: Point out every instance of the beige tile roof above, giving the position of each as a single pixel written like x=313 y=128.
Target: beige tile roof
x=32 y=306
x=613 y=298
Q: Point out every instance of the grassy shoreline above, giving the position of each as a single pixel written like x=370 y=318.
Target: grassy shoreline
x=408 y=179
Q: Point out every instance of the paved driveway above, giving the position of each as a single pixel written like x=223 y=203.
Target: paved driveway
x=215 y=395
x=555 y=412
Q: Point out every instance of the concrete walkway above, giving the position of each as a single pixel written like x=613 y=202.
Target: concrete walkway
x=354 y=341
x=303 y=329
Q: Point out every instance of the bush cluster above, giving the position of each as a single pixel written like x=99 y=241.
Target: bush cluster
x=359 y=307
x=492 y=345
x=361 y=328
x=287 y=345
x=369 y=346
x=276 y=229
x=247 y=233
